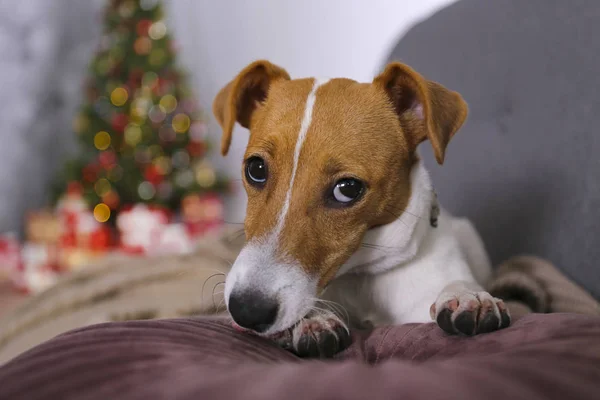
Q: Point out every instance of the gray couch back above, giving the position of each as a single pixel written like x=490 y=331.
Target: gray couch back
x=526 y=166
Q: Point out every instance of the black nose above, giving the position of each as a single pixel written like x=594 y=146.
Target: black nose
x=252 y=310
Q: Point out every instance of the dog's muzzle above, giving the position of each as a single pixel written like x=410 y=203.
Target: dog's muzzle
x=253 y=310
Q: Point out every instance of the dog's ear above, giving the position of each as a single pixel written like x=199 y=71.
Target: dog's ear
x=426 y=109
x=240 y=97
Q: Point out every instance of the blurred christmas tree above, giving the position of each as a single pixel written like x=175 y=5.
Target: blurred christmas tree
x=142 y=135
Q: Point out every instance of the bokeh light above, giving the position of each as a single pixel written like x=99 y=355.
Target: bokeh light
x=101 y=212
x=169 y=103
x=102 y=140
x=180 y=159
x=146 y=190
x=157 y=114
x=119 y=96
x=181 y=123
x=163 y=165
x=133 y=134
x=205 y=176
x=102 y=186
x=198 y=131
x=184 y=178
x=157 y=30
x=142 y=45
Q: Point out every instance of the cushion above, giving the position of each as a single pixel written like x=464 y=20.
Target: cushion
x=552 y=356
x=525 y=168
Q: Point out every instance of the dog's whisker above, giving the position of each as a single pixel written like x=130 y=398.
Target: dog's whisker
x=336 y=307
x=206 y=281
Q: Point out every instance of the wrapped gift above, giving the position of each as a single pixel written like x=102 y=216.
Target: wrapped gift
x=42 y=227
x=141 y=227
x=10 y=256
x=38 y=268
x=173 y=239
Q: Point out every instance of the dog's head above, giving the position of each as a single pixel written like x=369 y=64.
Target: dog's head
x=326 y=161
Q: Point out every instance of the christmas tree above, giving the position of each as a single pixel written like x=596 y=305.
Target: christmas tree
x=143 y=138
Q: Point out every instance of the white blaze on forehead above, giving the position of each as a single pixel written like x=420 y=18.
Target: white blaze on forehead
x=257 y=268
x=306 y=120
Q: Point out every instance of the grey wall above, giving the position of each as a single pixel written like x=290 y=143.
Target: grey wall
x=45 y=47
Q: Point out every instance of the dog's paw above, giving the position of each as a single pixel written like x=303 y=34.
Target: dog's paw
x=316 y=337
x=469 y=313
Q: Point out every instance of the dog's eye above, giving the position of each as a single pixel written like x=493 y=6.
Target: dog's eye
x=256 y=171
x=347 y=190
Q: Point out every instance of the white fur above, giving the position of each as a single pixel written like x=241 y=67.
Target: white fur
x=256 y=267
x=413 y=263
x=306 y=120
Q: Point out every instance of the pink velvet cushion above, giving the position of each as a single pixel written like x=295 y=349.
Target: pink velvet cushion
x=540 y=357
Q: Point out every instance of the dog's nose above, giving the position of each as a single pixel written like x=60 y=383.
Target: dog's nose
x=252 y=310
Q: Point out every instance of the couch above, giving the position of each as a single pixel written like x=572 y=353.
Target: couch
x=525 y=169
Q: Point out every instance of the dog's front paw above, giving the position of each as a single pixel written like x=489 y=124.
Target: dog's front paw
x=469 y=313
x=315 y=337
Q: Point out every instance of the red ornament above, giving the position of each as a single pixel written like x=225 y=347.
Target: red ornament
x=119 y=121
x=107 y=159
x=74 y=188
x=101 y=239
x=153 y=175
x=90 y=173
x=143 y=27
x=196 y=149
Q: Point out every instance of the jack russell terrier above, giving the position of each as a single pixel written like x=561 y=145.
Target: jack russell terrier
x=342 y=224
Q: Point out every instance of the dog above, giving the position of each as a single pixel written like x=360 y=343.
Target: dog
x=342 y=224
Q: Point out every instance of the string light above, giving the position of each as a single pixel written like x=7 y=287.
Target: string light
x=181 y=123
x=156 y=114
x=205 y=176
x=102 y=140
x=102 y=187
x=133 y=134
x=197 y=131
x=142 y=45
x=101 y=212
x=119 y=96
x=184 y=178
x=180 y=159
x=168 y=102
x=163 y=165
x=157 y=30
x=146 y=190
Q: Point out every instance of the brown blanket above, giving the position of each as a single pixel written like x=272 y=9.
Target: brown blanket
x=552 y=356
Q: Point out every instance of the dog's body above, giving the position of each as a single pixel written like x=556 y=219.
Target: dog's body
x=341 y=211
x=406 y=264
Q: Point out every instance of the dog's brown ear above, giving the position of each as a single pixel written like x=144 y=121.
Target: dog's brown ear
x=240 y=97
x=426 y=109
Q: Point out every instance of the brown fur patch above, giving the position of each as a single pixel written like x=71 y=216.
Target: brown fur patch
x=364 y=131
